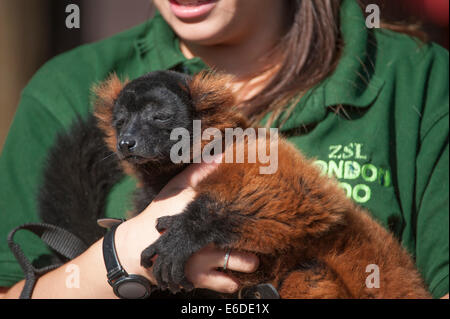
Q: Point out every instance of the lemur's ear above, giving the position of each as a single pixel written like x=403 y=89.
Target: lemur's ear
x=214 y=101
x=210 y=89
x=106 y=94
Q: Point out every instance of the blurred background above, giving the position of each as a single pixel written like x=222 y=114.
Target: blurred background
x=33 y=31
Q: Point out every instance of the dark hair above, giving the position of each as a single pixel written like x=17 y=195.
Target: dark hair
x=310 y=50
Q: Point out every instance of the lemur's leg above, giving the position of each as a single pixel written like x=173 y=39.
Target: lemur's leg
x=196 y=227
x=208 y=220
x=204 y=221
x=315 y=282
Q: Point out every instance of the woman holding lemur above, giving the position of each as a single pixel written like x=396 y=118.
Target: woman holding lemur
x=371 y=105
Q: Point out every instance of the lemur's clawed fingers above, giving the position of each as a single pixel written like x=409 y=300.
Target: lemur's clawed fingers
x=177 y=279
x=187 y=285
x=165 y=273
x=168 y=269
x=164 y=223
x=157 y=273
x=174 y=287
x=147 y=255
x=177 y=273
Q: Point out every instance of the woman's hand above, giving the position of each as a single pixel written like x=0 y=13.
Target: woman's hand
x=201 y=268
x=138 y=233
x=132 y=237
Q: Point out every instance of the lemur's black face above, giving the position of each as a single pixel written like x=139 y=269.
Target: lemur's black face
x=146 y=112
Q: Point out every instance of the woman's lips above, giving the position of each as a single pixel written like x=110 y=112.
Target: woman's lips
x=192 y=9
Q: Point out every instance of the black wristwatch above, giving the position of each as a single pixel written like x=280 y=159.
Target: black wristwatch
x=125 y=286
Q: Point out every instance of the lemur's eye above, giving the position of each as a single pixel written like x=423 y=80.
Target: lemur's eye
x=162 y=117
x=119 y=123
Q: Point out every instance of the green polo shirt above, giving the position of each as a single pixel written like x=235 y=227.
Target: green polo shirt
x=387 y=144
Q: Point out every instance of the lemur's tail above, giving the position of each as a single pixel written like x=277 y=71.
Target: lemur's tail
x=79 y=173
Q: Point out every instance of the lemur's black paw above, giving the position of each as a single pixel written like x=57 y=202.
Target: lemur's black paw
x=164 y=223
x=173 y=251
x=186 y=285
x=146 y=257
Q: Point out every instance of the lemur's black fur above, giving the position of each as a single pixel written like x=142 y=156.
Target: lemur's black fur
x=80 y=172
x=312 y=241
x=145 y=112
x=81 y=169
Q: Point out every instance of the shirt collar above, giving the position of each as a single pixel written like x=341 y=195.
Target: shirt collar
x=352 y=83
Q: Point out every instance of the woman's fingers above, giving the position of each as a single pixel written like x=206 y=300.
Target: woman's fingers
x=202 y=268
x=189 y=178
x=217 y=281
x=237 y=261
x=194 y=173
x=241 y=262
x=197 y=172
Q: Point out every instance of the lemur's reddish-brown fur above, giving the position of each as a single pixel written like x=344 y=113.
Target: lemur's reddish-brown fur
x=105 y=95
x=292 y=216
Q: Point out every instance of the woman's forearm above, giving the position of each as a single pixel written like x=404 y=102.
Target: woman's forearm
x=85 y=276
x=82 y=277
x=131 y=238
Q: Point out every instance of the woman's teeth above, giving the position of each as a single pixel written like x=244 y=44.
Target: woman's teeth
x=192 y=3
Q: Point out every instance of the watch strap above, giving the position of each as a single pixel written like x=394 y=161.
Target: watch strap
x=109 y=222
x=125 y=286
x=113 y=267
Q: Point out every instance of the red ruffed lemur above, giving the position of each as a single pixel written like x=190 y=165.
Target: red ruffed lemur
x=312 y=241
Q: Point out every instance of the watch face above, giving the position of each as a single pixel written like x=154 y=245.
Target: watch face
x=130 y=289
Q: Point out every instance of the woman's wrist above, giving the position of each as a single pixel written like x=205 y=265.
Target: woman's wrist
x=136 y=234
x=129 y=246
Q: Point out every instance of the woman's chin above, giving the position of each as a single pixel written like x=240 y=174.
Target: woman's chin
x=208 y=32
x=198 y=21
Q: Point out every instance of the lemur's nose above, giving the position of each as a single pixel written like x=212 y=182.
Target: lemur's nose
x=127 y=144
